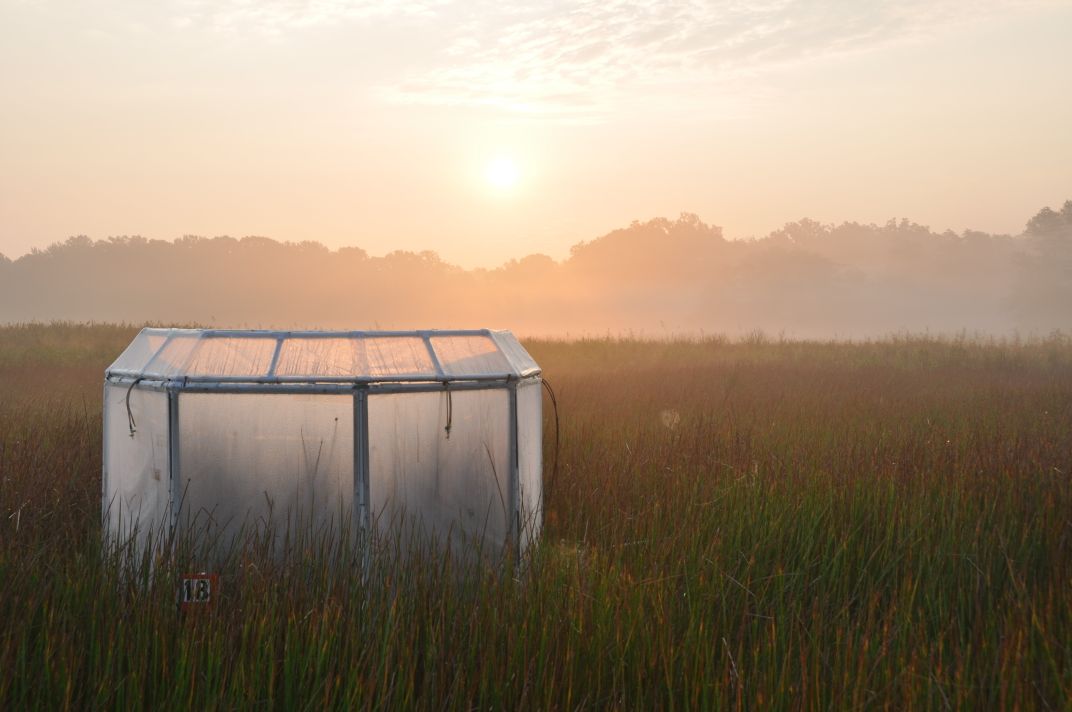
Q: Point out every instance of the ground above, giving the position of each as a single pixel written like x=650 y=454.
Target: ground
x=750 y=525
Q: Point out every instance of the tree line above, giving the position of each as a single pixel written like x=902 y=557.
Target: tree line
x=654 y=278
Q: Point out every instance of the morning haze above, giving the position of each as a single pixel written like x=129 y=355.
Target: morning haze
x=656 y=278
x=429 y=147
x=786 y=424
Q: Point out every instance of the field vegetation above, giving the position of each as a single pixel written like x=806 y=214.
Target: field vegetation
x=747 y=524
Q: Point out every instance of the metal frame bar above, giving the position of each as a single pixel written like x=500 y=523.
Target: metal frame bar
x=310 y=334
x=352 y=380
x=515 y=475
x=174 y=469
x=275 y=357
x=317 y=388
x=362 y=501
x=105 y=430
x=434 y=356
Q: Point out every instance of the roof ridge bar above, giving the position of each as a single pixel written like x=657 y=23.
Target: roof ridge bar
x=328 y=334
x=275 y=356
x=435 y=359
x=311 y=379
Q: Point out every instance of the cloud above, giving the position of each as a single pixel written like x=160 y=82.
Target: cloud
x=275 y=17
x=591 y=56
x=575 y=60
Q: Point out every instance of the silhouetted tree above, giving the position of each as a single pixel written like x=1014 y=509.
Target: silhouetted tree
x=1049 y=221
x=1044 y=288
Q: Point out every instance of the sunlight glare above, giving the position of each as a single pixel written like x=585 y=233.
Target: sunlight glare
x=502 y=173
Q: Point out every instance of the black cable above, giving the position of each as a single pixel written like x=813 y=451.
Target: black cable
x=450 y=411
x=130 y=413
x=558 y=440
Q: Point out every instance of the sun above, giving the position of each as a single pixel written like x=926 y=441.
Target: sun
x=502 y=173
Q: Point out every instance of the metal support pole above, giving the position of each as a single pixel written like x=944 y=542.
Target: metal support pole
x=174 y=471
x=362 y=504
x=515 y=476
x=105 y=491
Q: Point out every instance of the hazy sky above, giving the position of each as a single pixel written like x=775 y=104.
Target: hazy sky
x=490 y=130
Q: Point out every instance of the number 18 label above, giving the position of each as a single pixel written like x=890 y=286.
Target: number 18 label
x=198 y=590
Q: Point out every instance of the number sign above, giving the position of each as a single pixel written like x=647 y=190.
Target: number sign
x=198 y=591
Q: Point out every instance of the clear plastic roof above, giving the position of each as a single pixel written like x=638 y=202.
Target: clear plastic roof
x=333 y=356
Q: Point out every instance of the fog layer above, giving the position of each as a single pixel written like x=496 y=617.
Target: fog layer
x=655 y=278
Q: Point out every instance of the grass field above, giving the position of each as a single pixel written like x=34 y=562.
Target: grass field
x=734 y=525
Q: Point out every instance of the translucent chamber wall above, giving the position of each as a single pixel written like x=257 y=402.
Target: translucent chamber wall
x=217 y=464
x=254 y=459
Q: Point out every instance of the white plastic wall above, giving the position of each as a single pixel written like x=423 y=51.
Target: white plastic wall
x=247 y=460
x=530 y=460
x=454 y=487
x=137 y=500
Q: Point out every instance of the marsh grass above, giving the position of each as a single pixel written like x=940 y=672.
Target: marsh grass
x=818 y=526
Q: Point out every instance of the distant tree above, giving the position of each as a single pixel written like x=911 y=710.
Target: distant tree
x=78 y=241
x=647 y=251
x=1044 y=290
x=71 y=244
x=532 y=264
x=1049 y=235
x=256 y=241
x=1049 y=222
x=802 y=232
x=811 y=278
x=129 y=240
x=313 y=246
x=353 y=253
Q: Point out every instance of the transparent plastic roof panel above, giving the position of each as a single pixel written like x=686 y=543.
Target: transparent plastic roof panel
x=222 y=356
